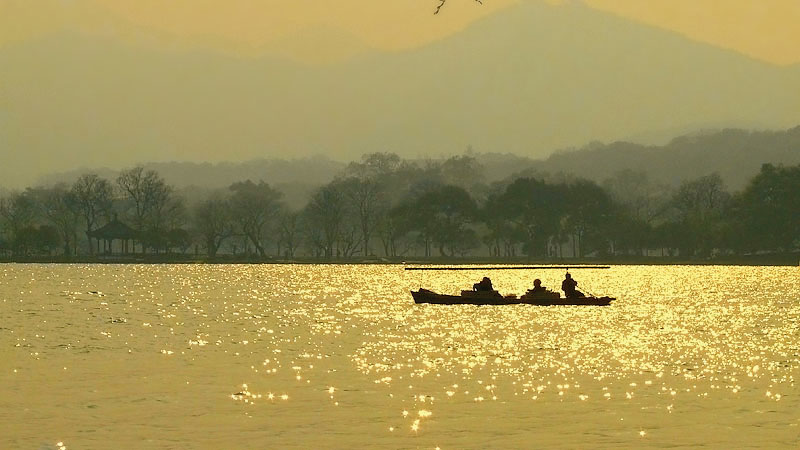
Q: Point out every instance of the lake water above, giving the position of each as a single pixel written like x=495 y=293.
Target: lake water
x=339 y=356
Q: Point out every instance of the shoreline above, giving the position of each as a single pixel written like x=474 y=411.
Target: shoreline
x=772 y=259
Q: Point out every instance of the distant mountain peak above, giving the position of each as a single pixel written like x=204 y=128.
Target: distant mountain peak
x=527 y=80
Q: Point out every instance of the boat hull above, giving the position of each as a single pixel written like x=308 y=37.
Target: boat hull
x=494 y=298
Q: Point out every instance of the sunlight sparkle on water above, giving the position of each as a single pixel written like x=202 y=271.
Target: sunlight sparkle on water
x=680 y=346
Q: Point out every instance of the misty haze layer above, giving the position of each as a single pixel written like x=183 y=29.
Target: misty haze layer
x=527 y=80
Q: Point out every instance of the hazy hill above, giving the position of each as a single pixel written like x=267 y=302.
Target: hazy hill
x=527 y=80
x=737 y=155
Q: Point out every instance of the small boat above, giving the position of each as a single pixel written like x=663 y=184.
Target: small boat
x=495 y=298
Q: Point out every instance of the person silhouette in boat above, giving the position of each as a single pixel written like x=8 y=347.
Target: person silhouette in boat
x=485 y=285
x=568 y=286
x=537 y=287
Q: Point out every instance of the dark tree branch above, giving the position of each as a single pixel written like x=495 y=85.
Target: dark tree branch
x=442 y=2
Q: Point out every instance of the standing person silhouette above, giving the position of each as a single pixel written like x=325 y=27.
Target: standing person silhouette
x=568 y=286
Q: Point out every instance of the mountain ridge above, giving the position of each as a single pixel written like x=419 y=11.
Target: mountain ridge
x=520 y=81
x=736 y=154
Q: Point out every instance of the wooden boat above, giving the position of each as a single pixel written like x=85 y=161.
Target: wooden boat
x=495 y=298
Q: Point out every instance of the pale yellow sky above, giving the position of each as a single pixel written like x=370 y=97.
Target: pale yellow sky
x=764 y=29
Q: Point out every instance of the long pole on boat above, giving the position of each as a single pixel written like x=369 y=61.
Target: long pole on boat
x=510 y=268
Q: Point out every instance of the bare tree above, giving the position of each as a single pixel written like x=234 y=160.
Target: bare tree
x=150 y=197
x=289 y=231
x=93 y=196
x=214 y=222
x=326 y=211
x=167 y=214
x=348 y=241
x=254 y=207
x=312 y=234
x=146 y=190
x=363 y=194
x=60 y=207
x=391 y=229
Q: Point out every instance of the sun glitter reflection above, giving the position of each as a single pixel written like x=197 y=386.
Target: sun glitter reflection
x=679 y=343
x=664 y=340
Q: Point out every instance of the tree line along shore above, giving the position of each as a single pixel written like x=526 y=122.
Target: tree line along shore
x=766 y=259
x=383 y=209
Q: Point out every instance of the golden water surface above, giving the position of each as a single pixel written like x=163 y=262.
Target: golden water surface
x=339 y=356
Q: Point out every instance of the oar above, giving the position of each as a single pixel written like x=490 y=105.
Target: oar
x=585 y=291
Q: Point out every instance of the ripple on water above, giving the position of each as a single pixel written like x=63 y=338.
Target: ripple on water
x=339 y=356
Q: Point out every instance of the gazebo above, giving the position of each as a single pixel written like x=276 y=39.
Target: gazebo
x=113 y=231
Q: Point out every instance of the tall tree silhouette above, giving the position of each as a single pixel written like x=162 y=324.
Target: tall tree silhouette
x=93 y=196
x=254 y=207
x=214 y=221
x=148 y=195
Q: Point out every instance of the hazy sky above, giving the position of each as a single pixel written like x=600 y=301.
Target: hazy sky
x=93 y=83
x=321 y=30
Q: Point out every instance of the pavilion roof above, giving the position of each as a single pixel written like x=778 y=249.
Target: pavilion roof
x=114 y=230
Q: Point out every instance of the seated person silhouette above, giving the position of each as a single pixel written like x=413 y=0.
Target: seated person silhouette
x=485 y=285
x=537 y=287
